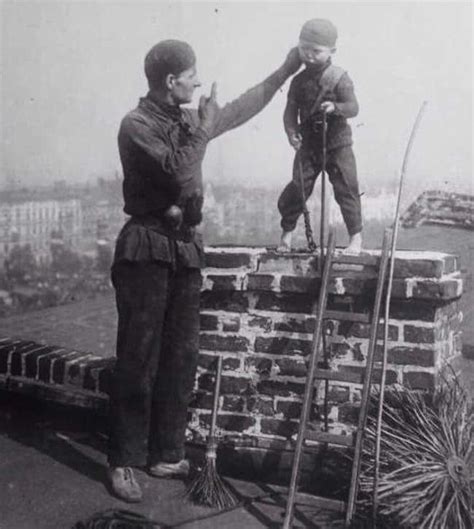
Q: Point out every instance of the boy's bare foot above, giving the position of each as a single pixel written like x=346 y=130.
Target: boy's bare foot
x=285 y=242
x=124 y=485
x=355 y=244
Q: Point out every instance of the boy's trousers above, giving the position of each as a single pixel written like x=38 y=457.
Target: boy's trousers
x=342 y=171
x=157 y=352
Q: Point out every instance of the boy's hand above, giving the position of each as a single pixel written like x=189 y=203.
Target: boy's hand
x=208 y=109
x=328 y=107
x=292 y=62
x=295 y=140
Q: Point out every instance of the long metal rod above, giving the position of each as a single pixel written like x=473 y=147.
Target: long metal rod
x=308 y=392
x=393 y=245
x=215 y=402
x=322 y=224
x=364 y=405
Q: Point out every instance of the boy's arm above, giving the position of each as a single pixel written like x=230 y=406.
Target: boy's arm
x=290 y=122
x=346 y=103
x=290 y=117
x=254 y=100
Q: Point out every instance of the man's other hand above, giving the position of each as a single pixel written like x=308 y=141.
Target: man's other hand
x=295 y=140
x=208 y=108
x=292 y=62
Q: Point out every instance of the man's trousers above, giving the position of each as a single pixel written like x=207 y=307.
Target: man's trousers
x=342 y=171
x=157 y=352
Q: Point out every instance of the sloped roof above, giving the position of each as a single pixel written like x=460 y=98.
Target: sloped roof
x=440 y=207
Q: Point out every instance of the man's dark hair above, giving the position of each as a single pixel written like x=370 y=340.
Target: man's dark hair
x=168 y=56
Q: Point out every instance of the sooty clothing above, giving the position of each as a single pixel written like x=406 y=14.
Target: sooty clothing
x=307 y=91
x=156 y=272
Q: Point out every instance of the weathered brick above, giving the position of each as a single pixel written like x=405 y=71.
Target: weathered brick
x=210 y=362
x=349 y=413
x=262 y=366
x=276 y=301
x=304 y=285
x=231 y=301
x=209 y=322
x=282 y=345
x=341 y=350
x=262 y=322
x=223 y=282
x=391 y=376
x=44 y=365
x=261 y=282
x=206 y=382
x=218 y=342
x=413 y=310
x=289 y=324
x=418 y=268
x=402 y=355
x=90 y=371
x=351 y=285
x=362 y=330
x=415 y=334
x=16 y=356
x=419 y=380
x=5 y=349
x=279 y=388
x=73 y=374
x=292 y=367
x=31 y=360
x=227 y=259
x=290 y=409
x=234 y=385
x=444 y=289
x=202 y=400
x=261 y=405
x=305 y=264
x=283 y=428
x=400 y=289
x=451 y=264
x=235 y=423
x=233 y=403
x=231 y=324
x=338 y=394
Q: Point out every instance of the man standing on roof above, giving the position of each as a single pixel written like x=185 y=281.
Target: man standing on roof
x=158 y=256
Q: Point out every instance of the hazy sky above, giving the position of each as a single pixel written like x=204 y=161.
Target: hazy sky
x=71 y=70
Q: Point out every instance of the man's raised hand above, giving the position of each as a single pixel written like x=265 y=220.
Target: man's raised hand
x=208 y=109
x=292 y=62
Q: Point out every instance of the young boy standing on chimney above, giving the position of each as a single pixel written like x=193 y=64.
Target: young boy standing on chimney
x=321 y=89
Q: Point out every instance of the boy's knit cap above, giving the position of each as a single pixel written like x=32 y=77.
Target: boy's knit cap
x=168 y=56
x=319 y=31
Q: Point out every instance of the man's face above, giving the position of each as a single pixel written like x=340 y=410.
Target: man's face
x=182 y=86
x=313 y=54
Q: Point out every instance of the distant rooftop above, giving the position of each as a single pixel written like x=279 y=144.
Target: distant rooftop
x=61 y=190
x=442 y=208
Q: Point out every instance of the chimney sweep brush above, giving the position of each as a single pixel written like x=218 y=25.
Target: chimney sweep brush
x=207 y=488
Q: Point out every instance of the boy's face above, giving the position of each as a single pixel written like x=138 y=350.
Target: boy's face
x=312 y=54
x=182 y=86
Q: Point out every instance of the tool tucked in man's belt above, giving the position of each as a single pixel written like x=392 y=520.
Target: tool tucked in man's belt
x=190 y=213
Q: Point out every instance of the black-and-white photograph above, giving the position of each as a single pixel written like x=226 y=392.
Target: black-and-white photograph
x=236 y=264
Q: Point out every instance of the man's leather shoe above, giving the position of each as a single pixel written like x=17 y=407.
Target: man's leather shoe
x=170 y=470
